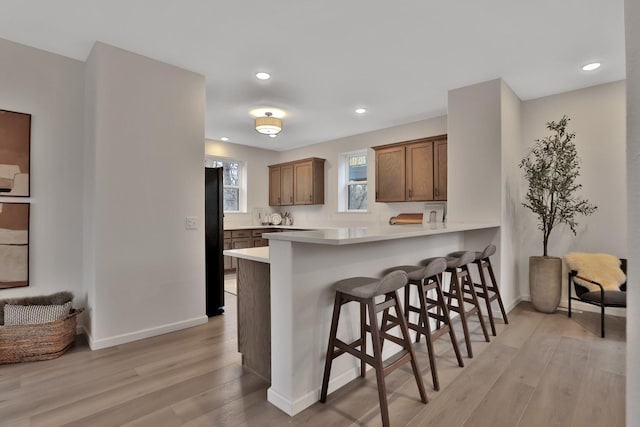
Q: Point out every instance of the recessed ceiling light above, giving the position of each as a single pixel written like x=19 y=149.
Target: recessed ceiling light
x=224 y=138
x=263 y=76
x=361 y=110
x=592 y=66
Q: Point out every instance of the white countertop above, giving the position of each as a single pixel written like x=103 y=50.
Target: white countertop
x=352 y=235
x=260 y=254
x=287 y=227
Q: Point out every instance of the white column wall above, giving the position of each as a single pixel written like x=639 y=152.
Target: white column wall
x=632 y=18
x=50 y=88
x=147 y=176
x=474 y=153
x=510 y=123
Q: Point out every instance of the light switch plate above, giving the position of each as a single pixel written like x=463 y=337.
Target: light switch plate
x=191 y=223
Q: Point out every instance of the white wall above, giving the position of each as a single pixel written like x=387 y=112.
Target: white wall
x=50 y=88
x=598 y=119
x=146 y=139
x=257 y=176
x=632 y=18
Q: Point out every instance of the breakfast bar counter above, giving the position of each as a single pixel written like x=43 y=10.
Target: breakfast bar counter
x=253 y=308
x=304 y=266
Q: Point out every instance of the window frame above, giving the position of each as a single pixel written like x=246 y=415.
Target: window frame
x=344 y=182
x=210 y=161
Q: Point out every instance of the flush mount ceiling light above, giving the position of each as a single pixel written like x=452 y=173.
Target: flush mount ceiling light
x=592 y=66
x=268 y=125
x=263 y=76
x=224 y=138
x=361 y=110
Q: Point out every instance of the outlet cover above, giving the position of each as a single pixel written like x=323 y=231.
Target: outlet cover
x=191 y=223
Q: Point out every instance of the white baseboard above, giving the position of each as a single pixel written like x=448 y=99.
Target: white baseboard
x=292 y=408
x=582 y=306
x=144 y=333
x=516 y=302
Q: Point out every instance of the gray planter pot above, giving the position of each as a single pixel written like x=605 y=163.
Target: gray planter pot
x=545 y=282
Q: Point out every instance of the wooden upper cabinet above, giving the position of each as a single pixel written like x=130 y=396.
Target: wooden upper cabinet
x=440 y=169
x=299 y=183
x=419 y=171
x=275 y=193
x=286 y=185
x=390 y=174
x=280 y=185
x=412 y=170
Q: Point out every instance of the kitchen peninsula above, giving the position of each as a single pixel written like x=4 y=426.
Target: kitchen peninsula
x=303 y=267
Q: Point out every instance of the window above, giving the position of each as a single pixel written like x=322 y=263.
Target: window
x=232 y=178
x=354 y=182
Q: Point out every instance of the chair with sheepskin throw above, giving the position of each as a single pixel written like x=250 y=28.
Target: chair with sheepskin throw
x=598 y=279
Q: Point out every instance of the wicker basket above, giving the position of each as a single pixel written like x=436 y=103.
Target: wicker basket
x=38 y=341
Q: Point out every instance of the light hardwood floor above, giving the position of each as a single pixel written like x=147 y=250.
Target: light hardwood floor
x=541 y=370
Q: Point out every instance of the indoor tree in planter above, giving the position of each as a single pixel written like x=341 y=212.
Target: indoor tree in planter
x=551 y=169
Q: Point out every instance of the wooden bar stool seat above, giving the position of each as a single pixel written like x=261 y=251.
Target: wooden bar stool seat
x=426 y=279
x=461 y=295
x=364 y=291
x=485 y=290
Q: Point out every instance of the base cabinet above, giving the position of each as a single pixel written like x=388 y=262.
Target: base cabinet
x=240 y=239
x=254 y=316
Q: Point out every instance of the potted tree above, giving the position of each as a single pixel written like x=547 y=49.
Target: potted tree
x=551 y=169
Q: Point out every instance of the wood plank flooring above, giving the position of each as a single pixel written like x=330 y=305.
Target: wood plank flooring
x=541 y=370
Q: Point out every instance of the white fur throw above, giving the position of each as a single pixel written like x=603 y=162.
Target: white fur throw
x=601 y=268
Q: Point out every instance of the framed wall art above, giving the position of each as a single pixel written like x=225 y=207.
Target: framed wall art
x=15 y=147
x=14 y=245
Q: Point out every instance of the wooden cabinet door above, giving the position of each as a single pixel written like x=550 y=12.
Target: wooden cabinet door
x=440 y=170
x=227 y=259
x=286 y=185
x=275 y=192
x=239 y=244
x=303 y=183
x=419 y=171
x=260 y=242
x=390 y=174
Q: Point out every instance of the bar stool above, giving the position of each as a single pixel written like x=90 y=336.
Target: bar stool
x=461 y=290
x=483 y=261
x=428 y=279
x=364 y=290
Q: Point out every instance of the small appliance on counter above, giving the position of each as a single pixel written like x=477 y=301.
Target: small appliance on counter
x=406 y=218
x=287 y=220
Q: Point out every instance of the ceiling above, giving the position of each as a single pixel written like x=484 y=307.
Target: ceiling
x=397 y=59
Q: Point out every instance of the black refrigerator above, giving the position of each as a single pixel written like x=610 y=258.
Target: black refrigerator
x=214 y=239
